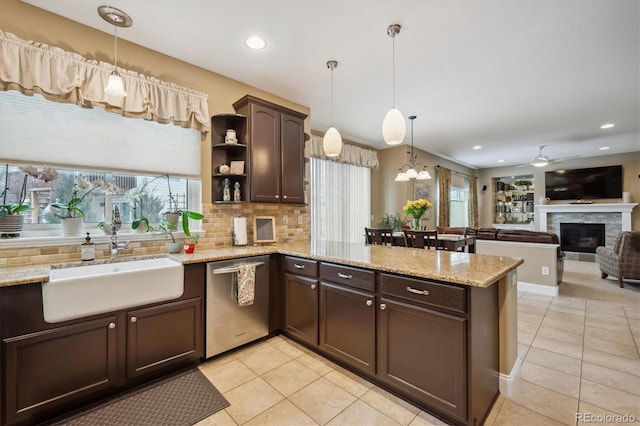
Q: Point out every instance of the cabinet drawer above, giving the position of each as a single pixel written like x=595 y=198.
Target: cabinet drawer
x=353 y=277
x=298 y=266
x=426 y=292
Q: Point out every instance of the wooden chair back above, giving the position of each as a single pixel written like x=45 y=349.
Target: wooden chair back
x=379 y=236
x=420 y=239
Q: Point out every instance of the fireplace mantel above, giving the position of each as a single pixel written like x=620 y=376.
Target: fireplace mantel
x=623 y=208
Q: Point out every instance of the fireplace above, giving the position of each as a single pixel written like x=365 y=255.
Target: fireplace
x=581 y=237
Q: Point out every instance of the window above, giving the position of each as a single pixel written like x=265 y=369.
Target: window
x=459 y=201
x=340 y=200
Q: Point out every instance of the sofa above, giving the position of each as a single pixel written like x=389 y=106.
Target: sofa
x=544 y=261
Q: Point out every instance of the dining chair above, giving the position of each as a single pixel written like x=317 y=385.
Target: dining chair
x=420 y=239
x=379 y=236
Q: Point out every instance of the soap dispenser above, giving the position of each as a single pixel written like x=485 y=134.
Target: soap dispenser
x=88 y=249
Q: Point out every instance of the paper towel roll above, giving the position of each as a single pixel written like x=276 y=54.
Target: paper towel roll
x=239 y=231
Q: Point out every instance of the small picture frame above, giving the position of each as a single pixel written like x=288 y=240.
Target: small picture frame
x=237 y=167
x=421 y=190
x=264 y=229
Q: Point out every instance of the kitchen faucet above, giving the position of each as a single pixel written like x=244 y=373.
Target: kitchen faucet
x=115 y=225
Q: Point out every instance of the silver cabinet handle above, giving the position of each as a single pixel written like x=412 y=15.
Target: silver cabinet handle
x=345 y=276
x=277 y=196
x=416 y=291
x=298 y=266
x=112 y=325
x=313 y=286
x=233 y=269
x=369 y=302
x=383 y=306
x=134 y=319
x=284 y=197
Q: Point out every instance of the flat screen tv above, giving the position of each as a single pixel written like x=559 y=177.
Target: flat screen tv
x=584 y=184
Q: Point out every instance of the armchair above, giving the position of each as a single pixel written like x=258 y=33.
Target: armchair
x=623 y=261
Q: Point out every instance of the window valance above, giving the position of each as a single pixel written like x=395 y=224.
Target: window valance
x=350 y=154
x=68 y=77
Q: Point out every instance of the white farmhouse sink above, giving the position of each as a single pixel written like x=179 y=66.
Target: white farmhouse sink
x=89 y=290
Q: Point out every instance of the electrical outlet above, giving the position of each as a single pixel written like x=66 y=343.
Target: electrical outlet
x=545 y=270
x=285 y=220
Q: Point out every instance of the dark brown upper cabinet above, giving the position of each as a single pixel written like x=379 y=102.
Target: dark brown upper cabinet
x=276 y=151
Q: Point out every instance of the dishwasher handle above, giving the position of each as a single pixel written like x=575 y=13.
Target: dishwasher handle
x=233 y=269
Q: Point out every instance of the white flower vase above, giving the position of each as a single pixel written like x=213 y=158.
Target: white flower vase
x=11 y=225
x=72 y=226
x=416 y=223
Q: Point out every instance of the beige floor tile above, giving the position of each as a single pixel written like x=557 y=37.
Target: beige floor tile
x=563 y=325
x=527 y=327
x=264 y=359
x=512 y=414
x=493 y=414
x=221 y=418
x=525 y=338
x=574 y=302
x=250 y=399
x=567 y=310
x=615 y=362
x=394 y=407
x=561 y=335
x=522 y=350
x=630 y=313
x=534 y=296
x=531 y=309
x=566 y=317
x=290 y=377
x=426 y=419
x=555 y=380
x=533 y=302
x=633 y=307
x=606 y=324
x=535 y=319
x=360 y=413
x=282 y=414
x=316 y=363
x=635 y=331
x=553 y=360
x=322 y=400
x=586 y=413
x=610 y=377
x=609 y=398
x=611 y=347
x=287 y=346
x=603 y=306
x=348 y=381
x=228 y=375
x=623 y=337
x=544 y=401
x=634 y=322
x=596 y=316
x=557 y=346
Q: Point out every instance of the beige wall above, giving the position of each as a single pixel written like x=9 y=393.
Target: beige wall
x=388 y=196
x=630 y=181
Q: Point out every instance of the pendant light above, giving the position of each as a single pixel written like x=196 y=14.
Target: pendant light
x=411 y=166
x=332 y=141
x=394 y=127
x=116 y=17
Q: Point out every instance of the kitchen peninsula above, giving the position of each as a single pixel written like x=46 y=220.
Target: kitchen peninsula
x=435 y=327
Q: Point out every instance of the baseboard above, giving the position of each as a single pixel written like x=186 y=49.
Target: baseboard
x=507 y=382
x=545 y=290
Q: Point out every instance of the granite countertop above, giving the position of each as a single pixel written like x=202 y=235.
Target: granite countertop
x=461 y=268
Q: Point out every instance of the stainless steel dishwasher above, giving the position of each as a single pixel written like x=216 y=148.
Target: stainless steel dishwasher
x=227 y=324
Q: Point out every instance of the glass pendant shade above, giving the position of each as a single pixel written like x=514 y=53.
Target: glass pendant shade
x=423 y=175
x=411 y=173
x=332 y=142
x=394 y=127
x=115 y=86
x=401 y=177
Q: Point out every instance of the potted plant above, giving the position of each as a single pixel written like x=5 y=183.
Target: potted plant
x=166 y=229
x=11 y=219
x=190 y=247
x=142 y=225
x=394 y=222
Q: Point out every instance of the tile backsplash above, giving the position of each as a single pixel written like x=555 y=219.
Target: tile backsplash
x=293 y=223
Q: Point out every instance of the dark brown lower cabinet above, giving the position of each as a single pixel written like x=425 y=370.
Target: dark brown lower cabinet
x=51 y=368
x=347 y=326
x=422 y=353
x=163 y=335
x=301 y=308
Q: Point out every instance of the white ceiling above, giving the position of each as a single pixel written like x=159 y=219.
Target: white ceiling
x=504 y=74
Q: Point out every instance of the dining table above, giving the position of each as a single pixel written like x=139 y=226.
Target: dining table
x=452 y=242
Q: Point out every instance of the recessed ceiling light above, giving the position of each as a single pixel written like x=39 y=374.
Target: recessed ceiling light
x=603 y=148
x=255 y=42
x=500 y=161
x=477 y=147
x=607 y=126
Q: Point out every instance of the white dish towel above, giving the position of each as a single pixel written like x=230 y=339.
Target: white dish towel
x=244 y=284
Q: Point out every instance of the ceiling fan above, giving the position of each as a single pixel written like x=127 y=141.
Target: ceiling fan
x=542 y=160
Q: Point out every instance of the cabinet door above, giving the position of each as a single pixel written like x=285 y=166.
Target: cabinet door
x=292 y=159
x=301 y=308
x=265 y=154
x=422 y=353
x=164 y=335
x=347 y=326
x=49 y=369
